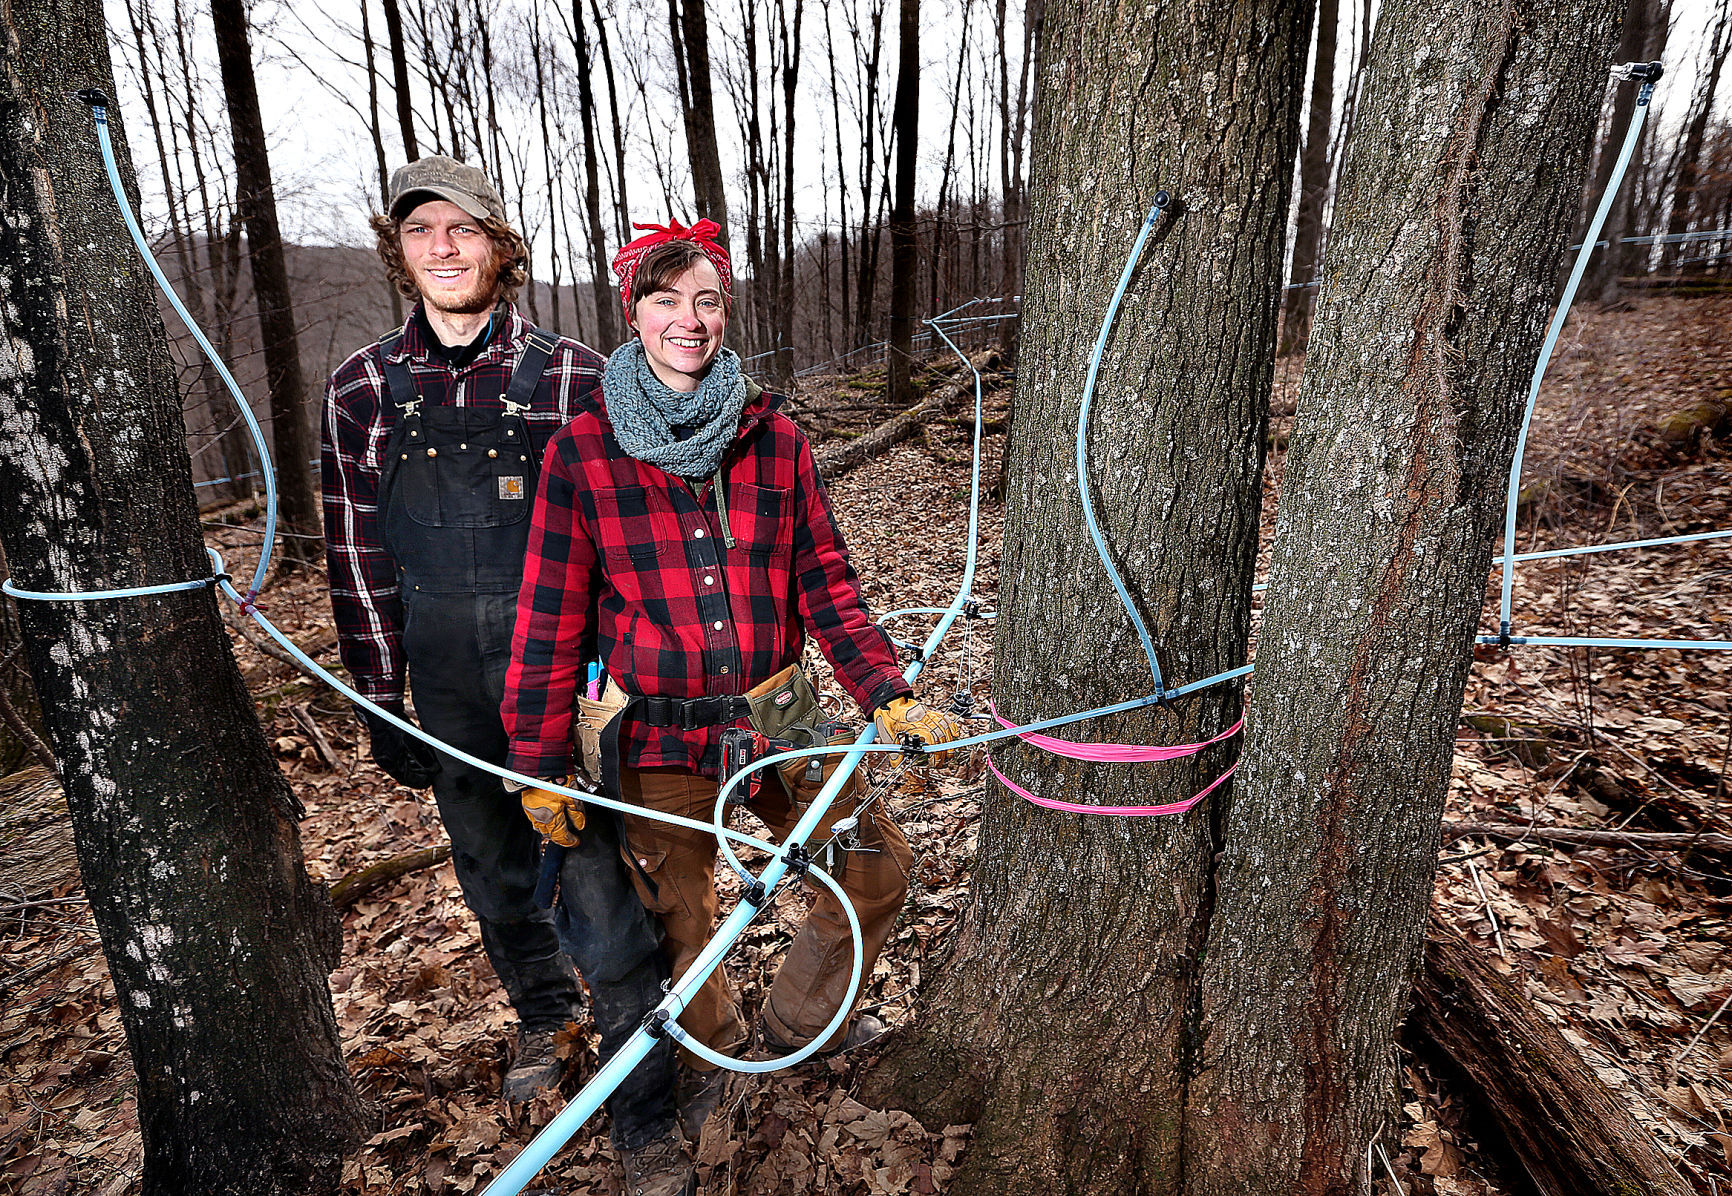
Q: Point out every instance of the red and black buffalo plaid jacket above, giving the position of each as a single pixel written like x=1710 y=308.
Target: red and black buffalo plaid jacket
x=630 y=564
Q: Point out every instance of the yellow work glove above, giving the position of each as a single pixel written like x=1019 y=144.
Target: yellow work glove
x=905 y=716
x=558 y=816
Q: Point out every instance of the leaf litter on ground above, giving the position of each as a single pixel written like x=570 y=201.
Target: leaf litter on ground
x=1624 y=949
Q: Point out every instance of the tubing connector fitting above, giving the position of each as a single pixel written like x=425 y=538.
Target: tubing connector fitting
x=755 y=895
x=1646 y=72
x=95 y=97
x=799 y=861
x=1503 y=640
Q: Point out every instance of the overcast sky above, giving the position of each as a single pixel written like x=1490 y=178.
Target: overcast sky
x=322 y=154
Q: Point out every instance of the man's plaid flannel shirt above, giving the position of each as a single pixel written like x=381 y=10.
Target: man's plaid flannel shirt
x=630 y=564
x=358 y=420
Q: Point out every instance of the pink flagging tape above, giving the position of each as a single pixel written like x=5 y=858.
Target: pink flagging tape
x=1112 y=753
x=1069 y=807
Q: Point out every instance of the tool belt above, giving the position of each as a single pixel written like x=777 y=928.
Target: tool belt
x=783 y=712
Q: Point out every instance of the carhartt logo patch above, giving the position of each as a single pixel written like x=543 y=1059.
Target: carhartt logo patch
x=785 y=698
x=511 y=488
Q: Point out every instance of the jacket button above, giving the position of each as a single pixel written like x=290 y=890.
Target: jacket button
x=462 y=446
x=717 y=624
x=709 y=579
x=699 y=534
x=405 y=456
x=492 y=452
x=432 y=452
x=522 y=458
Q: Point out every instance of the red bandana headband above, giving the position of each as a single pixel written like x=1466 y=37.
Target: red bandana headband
x=703 y=233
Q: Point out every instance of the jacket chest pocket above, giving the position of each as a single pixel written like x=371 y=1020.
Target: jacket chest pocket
x=761 y=519
x=632 y=526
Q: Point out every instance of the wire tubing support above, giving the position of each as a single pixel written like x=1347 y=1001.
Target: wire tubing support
x=1637 y=120
x=1574 y=641
x=99 y=109
x=1555 y=553
x=1162 y=199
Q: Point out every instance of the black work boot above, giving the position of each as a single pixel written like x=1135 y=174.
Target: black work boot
x=696 y=1095
x=535 y=1067
x=660 y=1168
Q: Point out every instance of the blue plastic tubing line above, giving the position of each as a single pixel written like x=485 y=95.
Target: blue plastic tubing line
x=270 y=477
x=1082 y=427
x=1637 y=119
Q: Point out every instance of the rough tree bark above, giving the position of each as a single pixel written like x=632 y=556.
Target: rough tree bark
x=1439 y=284
x=1059 y=1027
x=217 y=942
x=904 y=251
x=256 y=207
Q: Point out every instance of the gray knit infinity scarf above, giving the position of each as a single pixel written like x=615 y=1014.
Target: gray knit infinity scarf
x=684 y=434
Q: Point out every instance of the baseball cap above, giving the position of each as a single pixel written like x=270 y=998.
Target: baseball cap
x=439 y=177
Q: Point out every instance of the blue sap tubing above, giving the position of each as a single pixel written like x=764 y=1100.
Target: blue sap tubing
x=1557 y=326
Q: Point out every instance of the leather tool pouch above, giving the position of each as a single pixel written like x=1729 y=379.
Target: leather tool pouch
x=592 y=717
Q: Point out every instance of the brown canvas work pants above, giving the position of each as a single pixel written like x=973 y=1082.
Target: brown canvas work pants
x=681 y=865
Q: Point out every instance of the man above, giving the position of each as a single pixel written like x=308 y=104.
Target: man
x=432 y=441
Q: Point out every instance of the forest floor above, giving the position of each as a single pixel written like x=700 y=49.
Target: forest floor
x=1625 y=949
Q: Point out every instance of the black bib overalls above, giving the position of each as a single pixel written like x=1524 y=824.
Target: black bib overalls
x=456 y=490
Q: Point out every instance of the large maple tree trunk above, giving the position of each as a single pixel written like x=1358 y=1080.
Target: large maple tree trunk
x=217 y=942
x=1440 y=282
x=1059 y=1027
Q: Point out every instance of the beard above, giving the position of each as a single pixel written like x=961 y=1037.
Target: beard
x=482 y=297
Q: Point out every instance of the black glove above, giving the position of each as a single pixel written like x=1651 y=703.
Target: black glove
x=405 y=759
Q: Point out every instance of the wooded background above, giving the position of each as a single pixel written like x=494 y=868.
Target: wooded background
x=775 y=118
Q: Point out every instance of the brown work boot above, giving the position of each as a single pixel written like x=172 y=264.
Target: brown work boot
x=696 y=1095
x=865 y=1028
x=660 y=1168
x=535 y=1067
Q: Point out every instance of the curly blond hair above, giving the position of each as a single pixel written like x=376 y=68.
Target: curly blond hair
x=509 y=252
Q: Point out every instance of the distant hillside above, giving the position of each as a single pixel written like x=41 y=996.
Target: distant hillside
x=341 y=304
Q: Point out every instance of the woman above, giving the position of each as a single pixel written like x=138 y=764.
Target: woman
x=683 y=536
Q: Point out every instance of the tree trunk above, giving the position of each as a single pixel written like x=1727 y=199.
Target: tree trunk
x=1314 y=172
x=1640 y=39
x=376 y=128
x=1060 y=1027
x=904 y=253
x=217 y=941
x=400 y=75
x=601 y=280
x=1441 y=268
x=256 y=207
x=700 y=116
x=784 y=323
x=1687 y=174
x=1570 y=1132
